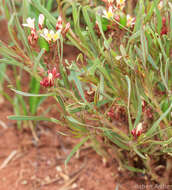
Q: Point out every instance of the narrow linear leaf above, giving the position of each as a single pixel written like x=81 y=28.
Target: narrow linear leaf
x=30 y=94
x=74 y=150
x=133 y=169
x=33 y=118
x=129 y=94
x=156 y=124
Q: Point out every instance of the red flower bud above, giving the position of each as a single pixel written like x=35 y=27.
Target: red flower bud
x=49 y=80
x=111 y=113
x=137 y=131
x=164 y=30
x=66 y=28
x=164 y=21
x=117 y=18
x=59 y=23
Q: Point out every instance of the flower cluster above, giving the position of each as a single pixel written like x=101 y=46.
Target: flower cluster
x=30 y=23
x=109 y=14
x=138 y=130
x=120 y=4
x=147 y=111
x=49 y=80
x=113 y=11
x=89 y=95
x=164 y=29
x=130 y=21
x=111 y=113
x=48 y=35
x=118 y=113
x=108 y=2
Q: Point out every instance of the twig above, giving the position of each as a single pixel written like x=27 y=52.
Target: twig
x=8 y=159
x=3 y=125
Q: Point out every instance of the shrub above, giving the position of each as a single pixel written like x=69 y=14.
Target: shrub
x=117 y=93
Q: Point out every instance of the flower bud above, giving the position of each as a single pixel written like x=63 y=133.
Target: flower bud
x=30 y=23
x=41 y=21
x=130 y=21
x=49 y=80
x=66 y=28
x=163 y=21
x=111 y=113
x=160 y=5
x=137 y=131
x=59 y=23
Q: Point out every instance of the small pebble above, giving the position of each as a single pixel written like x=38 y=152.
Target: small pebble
x=59 y=169
x=24 y=182
x=49 y=162
x=74 y=185
x=47 y=179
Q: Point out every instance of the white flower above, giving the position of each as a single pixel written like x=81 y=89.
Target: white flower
x=46 y=35
x=110 y=1
x=139 y=128
x=50 y=35
x=108 y=14
x=118 y=57
x=130 y=21
x=30 y=23
x=56 y=36
x=41 y=21
x=120 y=4
x=160 y=5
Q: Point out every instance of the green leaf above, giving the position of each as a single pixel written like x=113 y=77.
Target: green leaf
x=99 y=22
x=73 y=120
x=105 y=23
x=49 y=5
x=144 y=46
x=139 y=109
x=115 y=138
x=20 y=98
x=159 y=18
x=29 y=94
x=33 y=101
x=139 y=153
x=75 y=149
x=43 y=44
x=38 y=58
x=151 y=61
x=151 y=10
x=165 y=105
x=64 y=76
x=61 y=102
x=33 y=118
x=44 y=11
x=16 y=110
x=78 y=85
x=140 y=15
x=156 y=124
x=89 y=24
x=129 y=94
x=133 y=169
x=123 y=20
x=2 y=74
